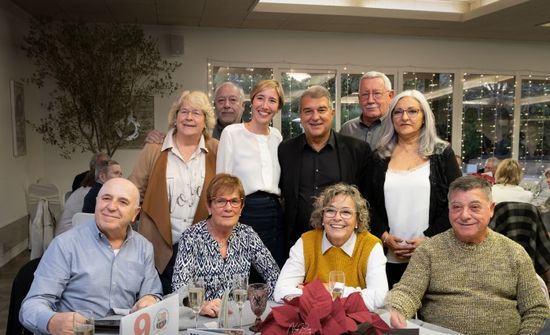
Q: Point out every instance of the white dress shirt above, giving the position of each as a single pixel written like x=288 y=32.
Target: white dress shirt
x=293 y=273
x=251 y=157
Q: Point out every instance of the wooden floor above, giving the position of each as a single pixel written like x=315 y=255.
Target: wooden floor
x=7 y=273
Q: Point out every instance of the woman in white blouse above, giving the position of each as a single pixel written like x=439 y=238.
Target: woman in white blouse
x=409 y=180
x=340 y=241
x=507 y=178
x=249 y=151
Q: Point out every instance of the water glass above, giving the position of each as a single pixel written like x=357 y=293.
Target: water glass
x=195 y=295
x=83 y=322
x=336 y=283
x=239 y=292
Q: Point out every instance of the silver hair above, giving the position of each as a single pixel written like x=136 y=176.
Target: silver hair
x=429 y=144
x=376 y=74
x=235 y=86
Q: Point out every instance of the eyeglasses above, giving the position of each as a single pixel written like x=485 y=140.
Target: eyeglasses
x=411 y=112
x=195 y=114
x=220 y=202
x=376 y=95
x=345 y=213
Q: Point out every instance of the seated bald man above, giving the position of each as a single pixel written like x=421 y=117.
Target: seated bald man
x=97 y=266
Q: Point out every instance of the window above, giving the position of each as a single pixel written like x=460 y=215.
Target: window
x=488 y=117
x=294 y=83
x=245 y=77
x=438 y=89
x=534 y=130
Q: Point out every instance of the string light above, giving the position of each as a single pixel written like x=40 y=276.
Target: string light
x=482 y=122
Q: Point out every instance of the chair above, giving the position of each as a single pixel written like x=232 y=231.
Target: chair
x=44 y=209
x=522 y=222
x=19 y=289
x=80 y=218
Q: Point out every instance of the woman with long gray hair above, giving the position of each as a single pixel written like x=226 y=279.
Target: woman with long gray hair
x=408 y=180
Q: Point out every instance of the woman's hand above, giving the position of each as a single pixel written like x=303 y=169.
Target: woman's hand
x=211 y=308
x=413 y=244
x=399 y=246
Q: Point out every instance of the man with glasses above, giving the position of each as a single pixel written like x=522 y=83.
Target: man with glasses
x=375 y=94
x=469 y=278
x=318 y=158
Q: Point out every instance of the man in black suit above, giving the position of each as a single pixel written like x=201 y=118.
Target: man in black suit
x=314 y=160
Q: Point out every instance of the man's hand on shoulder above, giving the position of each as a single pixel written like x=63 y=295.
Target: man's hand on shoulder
x=61 y=323
x=145 y=301
x=155 y=137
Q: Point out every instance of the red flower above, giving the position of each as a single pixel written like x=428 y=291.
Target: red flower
x=314 y=312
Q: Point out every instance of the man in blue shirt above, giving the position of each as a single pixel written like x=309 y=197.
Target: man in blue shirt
x=97 y=266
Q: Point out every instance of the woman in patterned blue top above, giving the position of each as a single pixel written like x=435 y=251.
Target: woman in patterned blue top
x=220 y=247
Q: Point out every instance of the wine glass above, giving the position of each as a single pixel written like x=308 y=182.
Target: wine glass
x=257 y=295
x=239 y=292
x=195 y=295
x=336 y=283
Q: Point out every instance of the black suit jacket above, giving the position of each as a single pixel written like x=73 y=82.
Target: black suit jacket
x=353 y=156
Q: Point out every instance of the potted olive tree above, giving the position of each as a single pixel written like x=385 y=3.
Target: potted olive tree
x=99 y=75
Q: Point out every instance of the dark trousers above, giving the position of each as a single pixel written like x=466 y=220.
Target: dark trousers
x=394 y=271
x=166 y=275
x=262 y=211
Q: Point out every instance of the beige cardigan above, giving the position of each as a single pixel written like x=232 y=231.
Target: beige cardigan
x=149 y=175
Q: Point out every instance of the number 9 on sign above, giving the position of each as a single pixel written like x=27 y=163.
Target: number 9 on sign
x=142 y=325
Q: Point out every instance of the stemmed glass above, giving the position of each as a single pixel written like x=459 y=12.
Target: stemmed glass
x=239 y=292
x=195 y=295
x=336 y=283
x=257 y=295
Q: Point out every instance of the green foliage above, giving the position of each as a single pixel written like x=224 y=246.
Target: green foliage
x=100 y=73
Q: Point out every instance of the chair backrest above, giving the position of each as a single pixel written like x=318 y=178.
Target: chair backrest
x=44 y=207
x=522 y=223
x=80 y=218
x=21 y=285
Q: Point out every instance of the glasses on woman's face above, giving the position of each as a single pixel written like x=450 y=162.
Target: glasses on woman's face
x=195 y=114
x=411 y=113
x=220 y=202
x=345 y=212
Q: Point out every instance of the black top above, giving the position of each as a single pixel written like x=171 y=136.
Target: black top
x=318 y=171
x=443 y=170
x=89 y=199
x=348 y=156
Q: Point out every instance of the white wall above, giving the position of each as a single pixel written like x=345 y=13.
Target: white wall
x=255 y=47
x=15 y=173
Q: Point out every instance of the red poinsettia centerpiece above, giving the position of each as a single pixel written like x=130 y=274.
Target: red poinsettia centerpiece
x=314 y=312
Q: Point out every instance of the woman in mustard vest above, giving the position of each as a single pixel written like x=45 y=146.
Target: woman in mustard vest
x=340 y=241
x=172 y=178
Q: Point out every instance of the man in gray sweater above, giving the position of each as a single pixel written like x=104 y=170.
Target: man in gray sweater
x=469 y=278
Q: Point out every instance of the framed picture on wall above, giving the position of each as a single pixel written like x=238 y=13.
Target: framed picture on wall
x=18 y=119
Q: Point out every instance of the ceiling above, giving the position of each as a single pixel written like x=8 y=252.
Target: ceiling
x=479 y=19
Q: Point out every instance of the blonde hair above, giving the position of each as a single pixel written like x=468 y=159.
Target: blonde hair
x=198 y=100
x=329 y=194
x=508 y=172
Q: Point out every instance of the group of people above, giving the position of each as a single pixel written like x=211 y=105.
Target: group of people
x=216 y=209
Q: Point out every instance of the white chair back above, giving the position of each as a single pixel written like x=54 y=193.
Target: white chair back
x=44 y=208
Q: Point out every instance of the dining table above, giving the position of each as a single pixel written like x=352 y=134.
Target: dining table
x=187 y=321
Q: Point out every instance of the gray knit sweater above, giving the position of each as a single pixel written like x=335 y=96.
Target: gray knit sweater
x=485 y=288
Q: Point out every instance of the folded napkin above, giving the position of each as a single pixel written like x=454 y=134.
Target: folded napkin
x=314 y=312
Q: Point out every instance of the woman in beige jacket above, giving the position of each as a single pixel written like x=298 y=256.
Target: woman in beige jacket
x=172 y=178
